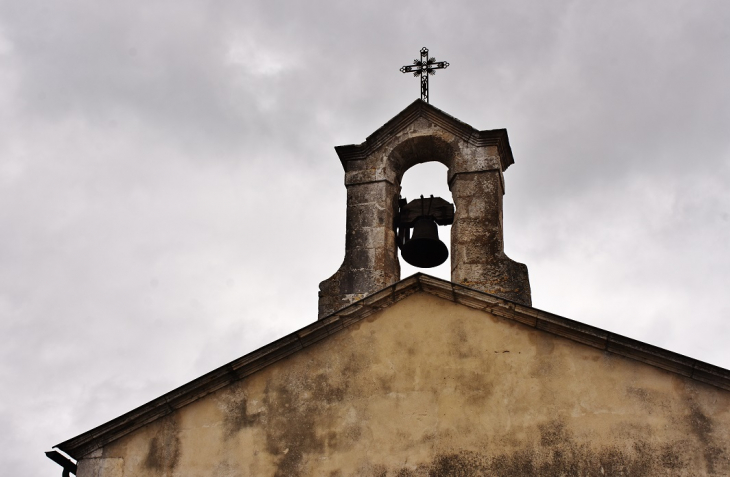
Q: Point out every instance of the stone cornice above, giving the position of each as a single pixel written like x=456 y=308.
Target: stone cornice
x=419 y=108
x=238 y=369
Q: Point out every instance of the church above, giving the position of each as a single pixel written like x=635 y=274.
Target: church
x=426 y=377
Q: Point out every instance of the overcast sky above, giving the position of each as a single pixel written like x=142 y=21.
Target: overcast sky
x=171 y=197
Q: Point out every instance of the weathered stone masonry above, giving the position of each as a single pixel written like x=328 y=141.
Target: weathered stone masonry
x=476 y=161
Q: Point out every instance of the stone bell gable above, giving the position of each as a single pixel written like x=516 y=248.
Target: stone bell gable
x=476 y=161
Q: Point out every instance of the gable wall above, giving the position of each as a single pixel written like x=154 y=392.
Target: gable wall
x=429 y=387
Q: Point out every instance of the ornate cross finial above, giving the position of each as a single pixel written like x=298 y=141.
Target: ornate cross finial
x=424 y=67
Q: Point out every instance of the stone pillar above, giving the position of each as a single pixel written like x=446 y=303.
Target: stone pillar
x=371 y=254
x=477 y=243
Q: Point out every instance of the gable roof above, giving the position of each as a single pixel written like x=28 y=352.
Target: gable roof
x=238 y=369
x=420 y=108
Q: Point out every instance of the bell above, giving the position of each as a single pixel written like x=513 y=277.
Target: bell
x=424 y=249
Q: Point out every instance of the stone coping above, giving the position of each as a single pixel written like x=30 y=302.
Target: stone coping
x=98 y=437
x=493 y=137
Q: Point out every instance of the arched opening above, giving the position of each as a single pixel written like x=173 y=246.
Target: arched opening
x=428 y=179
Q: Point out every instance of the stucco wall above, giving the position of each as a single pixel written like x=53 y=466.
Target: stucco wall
x=429 y=387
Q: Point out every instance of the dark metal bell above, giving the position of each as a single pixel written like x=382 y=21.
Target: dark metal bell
x=424 y=249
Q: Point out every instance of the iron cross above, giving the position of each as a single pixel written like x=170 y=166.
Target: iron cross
x=424 y=67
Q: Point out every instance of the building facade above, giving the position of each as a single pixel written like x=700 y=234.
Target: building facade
x=427 y=377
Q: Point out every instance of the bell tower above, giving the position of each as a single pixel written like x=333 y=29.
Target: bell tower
x=476 y=161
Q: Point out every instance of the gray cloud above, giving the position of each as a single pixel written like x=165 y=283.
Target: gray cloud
x=171 y=199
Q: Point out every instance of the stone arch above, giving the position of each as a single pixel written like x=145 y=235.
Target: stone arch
x=420 y=150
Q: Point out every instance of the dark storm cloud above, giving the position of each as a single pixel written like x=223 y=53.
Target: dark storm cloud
x=171 y=199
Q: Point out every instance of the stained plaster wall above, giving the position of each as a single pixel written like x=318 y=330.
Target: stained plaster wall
x=430 y=387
